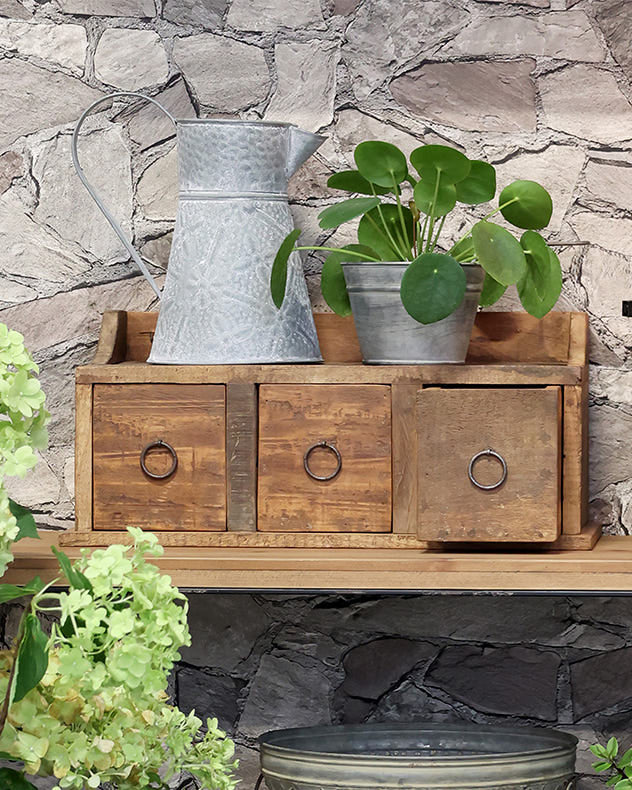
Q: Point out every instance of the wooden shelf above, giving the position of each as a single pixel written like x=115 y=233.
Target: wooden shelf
x=607 y=568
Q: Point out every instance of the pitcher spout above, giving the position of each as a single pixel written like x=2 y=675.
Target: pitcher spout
x=302 y=146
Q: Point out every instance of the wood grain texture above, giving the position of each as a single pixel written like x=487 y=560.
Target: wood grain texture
x=112 y=338
x=357 y=420
x=608 y=568
x=334 y=540
x=520 y=424
x=189 y=417
x=405 y=474
x=140 y=335
x=241 y=456
x=578 y=339
x=500 y=375
x=519 y=337
x=338 y=338
x=575 y=463
x=83 y=457
x=496 y=337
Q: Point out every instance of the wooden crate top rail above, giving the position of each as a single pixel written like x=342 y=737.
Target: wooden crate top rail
x=507 y=349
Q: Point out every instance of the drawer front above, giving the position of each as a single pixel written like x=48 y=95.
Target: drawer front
x=188 y=417
x=356 y=421
x=523 y=427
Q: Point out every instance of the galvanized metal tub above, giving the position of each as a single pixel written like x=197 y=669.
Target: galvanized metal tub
x=388 y=335
x=418 y=757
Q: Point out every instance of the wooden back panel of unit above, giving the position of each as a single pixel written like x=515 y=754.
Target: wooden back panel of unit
x=558 y=338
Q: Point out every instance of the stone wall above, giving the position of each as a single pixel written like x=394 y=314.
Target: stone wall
x=540 y=88
x=271 y=661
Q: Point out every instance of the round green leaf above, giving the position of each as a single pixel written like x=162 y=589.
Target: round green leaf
x=381 y=163
x=536 y=252
x=492 y=291
x=278 y=275
x=425 y=195
x=336 y=215
x=433 y=286
x=498 y=252
x=332 y=280
x=353 y=181
x=371 y=231
x=479 y=186
x=529 y=205
x=531 y=301
x=431 y=159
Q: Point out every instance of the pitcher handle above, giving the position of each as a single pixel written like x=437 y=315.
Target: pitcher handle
x=95 y=195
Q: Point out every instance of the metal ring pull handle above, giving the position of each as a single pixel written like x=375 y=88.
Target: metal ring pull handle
x=96 y=196
x=498 y=457
x=174 y=459
x=325 y=446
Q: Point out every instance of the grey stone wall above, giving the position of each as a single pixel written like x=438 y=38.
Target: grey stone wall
x=539 y=87
x=262 y=662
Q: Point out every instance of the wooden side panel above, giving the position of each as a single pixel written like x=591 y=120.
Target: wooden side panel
x=519 y=337
x=575 y=466
x=404 y=416
x=357 y=420
x=241 y=456
x=191 y=418
x=522 y=425
x=83 y=457
x=112 y=338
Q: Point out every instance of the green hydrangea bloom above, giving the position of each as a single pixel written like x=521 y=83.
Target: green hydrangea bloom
x=23 y=421
x=100 y=715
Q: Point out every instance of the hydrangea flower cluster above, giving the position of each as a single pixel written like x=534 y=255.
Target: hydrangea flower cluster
x=100 y=713
x=23 y=421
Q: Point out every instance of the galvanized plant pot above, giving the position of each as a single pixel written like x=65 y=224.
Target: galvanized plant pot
x=418 y=757
x=388 y=335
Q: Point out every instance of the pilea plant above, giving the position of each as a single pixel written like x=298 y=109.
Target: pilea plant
x=87 y=704
x=403 y=217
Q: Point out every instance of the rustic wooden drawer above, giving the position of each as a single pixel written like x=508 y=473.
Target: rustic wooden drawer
x=356 y=420
x=188 y=417
x=523 y=426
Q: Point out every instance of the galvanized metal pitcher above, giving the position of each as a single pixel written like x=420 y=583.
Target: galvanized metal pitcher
x=232 y=216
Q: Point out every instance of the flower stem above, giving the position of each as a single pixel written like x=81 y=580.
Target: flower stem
x=338 y=249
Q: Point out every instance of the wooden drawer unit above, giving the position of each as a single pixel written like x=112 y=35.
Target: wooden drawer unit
x=405 y=435
x=489 y=464
x=183 y=486
x=355 y=422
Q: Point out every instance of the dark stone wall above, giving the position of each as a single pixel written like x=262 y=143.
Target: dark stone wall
x=261 y=662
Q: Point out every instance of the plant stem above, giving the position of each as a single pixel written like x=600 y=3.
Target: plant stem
x=401 y=218
x=432 y=210
x=391 y=243
x=422 y=235
x=486 y=217
x=338 y=249
x=388 y=233
x=436 y=238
